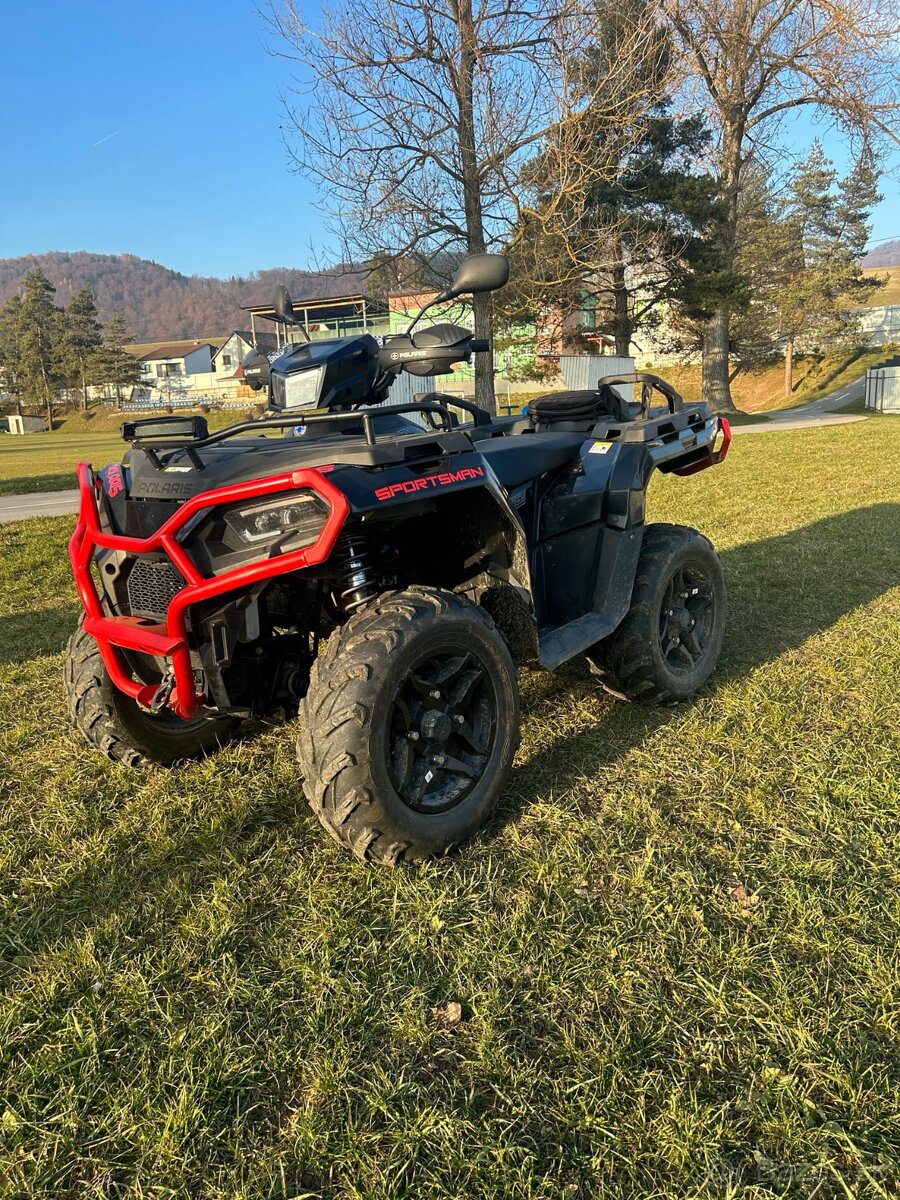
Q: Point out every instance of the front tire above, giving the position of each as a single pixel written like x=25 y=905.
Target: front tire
x=118 y=726
x=409 y=727
x=669 y=642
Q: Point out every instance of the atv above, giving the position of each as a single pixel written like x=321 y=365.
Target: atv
x=387 y=569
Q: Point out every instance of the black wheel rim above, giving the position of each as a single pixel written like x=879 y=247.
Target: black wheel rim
x=441 y=730
x=687 y=619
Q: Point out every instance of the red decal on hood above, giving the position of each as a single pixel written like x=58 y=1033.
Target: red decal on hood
x=422 y=484
x=115 y=482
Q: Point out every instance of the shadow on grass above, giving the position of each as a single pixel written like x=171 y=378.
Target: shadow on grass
x=36 y=632
x=782 y=591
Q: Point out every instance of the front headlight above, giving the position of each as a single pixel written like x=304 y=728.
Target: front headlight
x=301 y=516
x=301 y=390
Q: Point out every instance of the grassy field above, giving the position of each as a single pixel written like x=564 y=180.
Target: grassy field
x=890 y=293
x=45 y=462
x=762 y=390
x=675 y=948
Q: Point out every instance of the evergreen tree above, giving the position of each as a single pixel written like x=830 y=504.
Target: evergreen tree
x=41 y=332
x=630 y=235
x=828 y=224
x=765 y=256
x=12 y=380
x=83 y=338
x=115 y=366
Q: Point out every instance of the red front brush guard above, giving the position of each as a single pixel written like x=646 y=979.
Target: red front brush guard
x=170 y=640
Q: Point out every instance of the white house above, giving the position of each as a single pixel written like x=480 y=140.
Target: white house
x=229 y=356
x=176 y=360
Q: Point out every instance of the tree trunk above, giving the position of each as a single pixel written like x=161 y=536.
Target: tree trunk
x=622 y=328
x=716 y=387
x=717 y=330
x=789 y=369
x=482 y=303
x=84 y=390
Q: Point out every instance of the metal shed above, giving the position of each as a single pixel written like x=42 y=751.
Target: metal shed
x=883 y=387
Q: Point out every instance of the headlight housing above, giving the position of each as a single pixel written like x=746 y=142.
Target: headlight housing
x=298 y=518
x=301 y=388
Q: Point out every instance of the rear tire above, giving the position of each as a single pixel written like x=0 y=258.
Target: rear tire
x=409 y=727
x=118 y=726
x=670 y=640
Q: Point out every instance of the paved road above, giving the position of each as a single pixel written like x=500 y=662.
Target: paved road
x=797 y=422
x=38 y=504
x=817 y=412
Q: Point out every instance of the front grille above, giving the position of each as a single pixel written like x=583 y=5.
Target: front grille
x=151 y=587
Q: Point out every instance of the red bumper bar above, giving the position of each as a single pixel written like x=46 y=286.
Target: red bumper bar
x=170 y=640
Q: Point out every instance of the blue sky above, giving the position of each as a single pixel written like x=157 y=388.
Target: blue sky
x=153 y=129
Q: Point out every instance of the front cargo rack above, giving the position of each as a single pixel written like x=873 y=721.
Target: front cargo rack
x=161 y=437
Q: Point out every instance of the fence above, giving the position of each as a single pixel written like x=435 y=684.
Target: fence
x=581 y=371
x=883 y=388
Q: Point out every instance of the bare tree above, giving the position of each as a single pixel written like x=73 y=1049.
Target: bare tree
x=419 y=119
x=753 y=61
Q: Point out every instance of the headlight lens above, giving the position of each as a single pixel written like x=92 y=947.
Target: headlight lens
x=301 y=516
x=301 y=390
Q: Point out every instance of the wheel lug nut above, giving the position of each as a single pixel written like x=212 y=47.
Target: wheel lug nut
x=413 y=735
x=435 y=695
x=439 y=760
x=459 y=719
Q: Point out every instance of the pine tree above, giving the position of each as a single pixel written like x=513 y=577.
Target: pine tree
x=41 y=335
x=83 y=338
x=766 y=257
x=115 y=366
x=12 y=379
x=631 y=239
x=828 y=224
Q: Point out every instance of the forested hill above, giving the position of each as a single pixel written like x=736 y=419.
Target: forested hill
x=885 y=255
x=159 y=303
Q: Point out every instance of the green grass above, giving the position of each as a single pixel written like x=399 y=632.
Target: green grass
x=45 y=462
x=675 y=947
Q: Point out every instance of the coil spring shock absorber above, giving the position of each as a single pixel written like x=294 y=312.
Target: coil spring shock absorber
x=359 y=586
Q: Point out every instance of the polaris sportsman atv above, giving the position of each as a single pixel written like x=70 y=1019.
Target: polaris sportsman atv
x=387 y=571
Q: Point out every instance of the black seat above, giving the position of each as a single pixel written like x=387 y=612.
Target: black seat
x=519 y=457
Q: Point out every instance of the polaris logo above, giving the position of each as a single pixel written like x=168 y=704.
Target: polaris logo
x=163 y=487
x=410 y=486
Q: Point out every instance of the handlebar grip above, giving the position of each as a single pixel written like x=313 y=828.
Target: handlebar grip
x=479 y=345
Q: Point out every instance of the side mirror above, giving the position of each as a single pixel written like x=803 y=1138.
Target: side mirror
x=479 y=273
x=284 y=306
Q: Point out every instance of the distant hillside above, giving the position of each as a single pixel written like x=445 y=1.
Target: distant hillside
x=885 y=255
x=160 y=304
